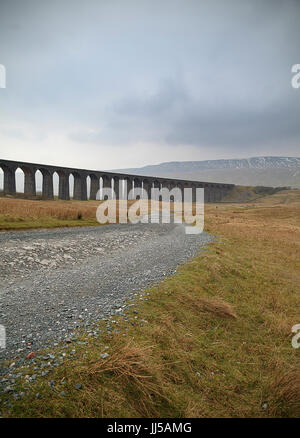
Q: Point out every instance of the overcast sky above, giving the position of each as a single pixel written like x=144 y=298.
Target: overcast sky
x=125 y=83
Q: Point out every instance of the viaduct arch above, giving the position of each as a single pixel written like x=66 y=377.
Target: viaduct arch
x=120 y=182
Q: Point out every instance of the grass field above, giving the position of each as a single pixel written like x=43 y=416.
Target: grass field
x=17 y=213
x=213 y=340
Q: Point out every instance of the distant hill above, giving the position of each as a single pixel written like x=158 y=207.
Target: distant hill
x=258 y=171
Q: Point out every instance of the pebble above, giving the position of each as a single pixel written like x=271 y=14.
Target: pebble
x=8 y=389
x=104 y=355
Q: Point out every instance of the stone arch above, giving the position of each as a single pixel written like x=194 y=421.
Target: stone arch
x=29 y=183
x=55 y=183
x=170 y=185
x=218 y=192
x=147 y=185
x=38 y=178
x=209 y=193
x=71 y=185
x=156 y=185
x=80 y=185
x=137 y=187
x=94 y=186
x=9 y=179
x=47 y=182
x=180 y=185
x=194 y=187
x=64 y=184
x=128 y=187
x=88 y=186
x=20 y=180
x=106 y=186
x=117 y=185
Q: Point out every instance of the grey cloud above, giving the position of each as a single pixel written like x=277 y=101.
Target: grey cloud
x=212 y=74
x=173 y=116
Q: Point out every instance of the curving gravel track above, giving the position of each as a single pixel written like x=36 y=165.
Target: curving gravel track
x=53 y=281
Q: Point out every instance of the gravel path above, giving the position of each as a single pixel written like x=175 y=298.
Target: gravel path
x=54 y=281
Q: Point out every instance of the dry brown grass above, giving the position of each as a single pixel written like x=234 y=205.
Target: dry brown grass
x=216 y=306
x=217 y=341
x=19 y=213
x=65 y=210
x=131 y=367
x=16 y=213
x=285 y=391
x=24 y=208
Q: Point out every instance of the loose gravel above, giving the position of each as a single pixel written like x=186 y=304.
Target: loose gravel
x=56 y=281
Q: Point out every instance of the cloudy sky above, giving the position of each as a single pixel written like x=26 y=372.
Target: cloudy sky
x=125 y=83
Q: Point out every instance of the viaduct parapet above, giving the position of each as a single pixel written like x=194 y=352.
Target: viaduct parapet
x=121 y=183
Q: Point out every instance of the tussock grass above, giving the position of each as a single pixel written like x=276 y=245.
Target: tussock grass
x=131 y=367
x=213 y=340
x=210 y=304
x=285 y=391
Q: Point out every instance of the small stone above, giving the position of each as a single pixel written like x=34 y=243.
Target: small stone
x=63 y=393
x=44 y=262
x=78 y=386
x=30 y=355
x=104 y=355
x=8 y=389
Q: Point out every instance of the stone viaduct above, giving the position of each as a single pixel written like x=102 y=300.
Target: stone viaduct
x=120 y=182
